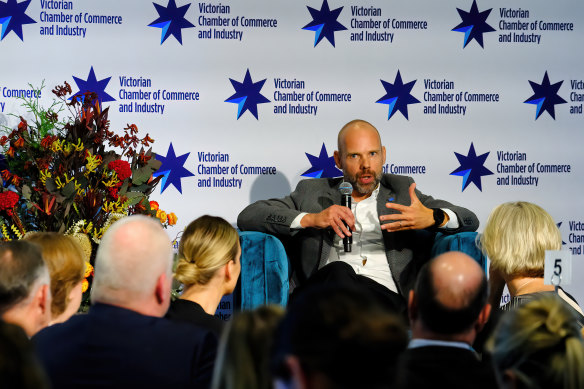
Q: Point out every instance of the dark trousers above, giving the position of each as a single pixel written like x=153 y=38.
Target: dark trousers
x=341 y=273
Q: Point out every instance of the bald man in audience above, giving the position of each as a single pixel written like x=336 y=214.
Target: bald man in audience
x=447 y=308
x=124 y=341
x=25 y=293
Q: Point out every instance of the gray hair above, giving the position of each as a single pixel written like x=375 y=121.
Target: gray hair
x=22 y=270
x=133 y=253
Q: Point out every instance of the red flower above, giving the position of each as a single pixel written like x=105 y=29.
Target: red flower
x=23 y=125
x=48 y=140
x=122 y=169
x=113 y=193
x=8 y=200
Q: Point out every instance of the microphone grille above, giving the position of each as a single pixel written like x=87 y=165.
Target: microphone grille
x=346 y=188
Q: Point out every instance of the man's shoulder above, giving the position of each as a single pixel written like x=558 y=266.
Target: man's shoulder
x=389 y=179
x=317 y=184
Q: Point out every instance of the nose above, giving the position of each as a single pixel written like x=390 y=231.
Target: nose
x=365 y=162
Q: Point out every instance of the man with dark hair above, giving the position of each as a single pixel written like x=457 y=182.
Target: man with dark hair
x=337 y=337
x=25 y=294
x=447 y=308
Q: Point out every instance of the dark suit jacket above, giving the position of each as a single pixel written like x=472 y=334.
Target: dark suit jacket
x=406 y=251
x=112 y=347
x=444 y=367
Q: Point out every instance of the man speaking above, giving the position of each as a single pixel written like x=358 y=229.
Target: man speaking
x=390 y=222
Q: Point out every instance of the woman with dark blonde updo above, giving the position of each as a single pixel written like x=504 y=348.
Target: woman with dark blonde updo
x=539 y=345
x=208 y=268
x=66 y=262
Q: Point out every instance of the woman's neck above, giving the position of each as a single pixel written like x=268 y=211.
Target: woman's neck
x=207 y=296
x=524 y=285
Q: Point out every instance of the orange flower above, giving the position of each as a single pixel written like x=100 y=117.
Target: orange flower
x=172 y=219
x=19 y=142
x=88 y=270
x=154 y=205
x=10 y=152
x=162 y=217
x=84 y=286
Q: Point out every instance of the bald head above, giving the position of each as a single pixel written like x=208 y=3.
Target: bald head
x=456 y=278
x=451 y=292
x=133 y=254
x=355 y=128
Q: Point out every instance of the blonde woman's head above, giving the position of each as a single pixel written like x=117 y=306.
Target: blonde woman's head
x=539 y=345
x=65 y=261
x=207 y=244
x=516 y=237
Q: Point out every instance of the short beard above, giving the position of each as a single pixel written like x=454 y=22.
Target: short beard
x=364 y=190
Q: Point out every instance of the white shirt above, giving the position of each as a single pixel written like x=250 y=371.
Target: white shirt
x=368 y=256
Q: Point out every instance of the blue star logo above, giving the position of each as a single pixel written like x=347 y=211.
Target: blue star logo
x=545 y=96
x=322 y=166
x=471 y=168
x=172 y=169
x=324 y=23
x=92 y=85
x=398 y=96
x=247 y=95
x=559 y=225
x=474 y=24
x=171 y=20
x=12 y=17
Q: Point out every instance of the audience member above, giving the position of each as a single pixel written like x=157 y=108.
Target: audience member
x=336 y=337
x=25 y=295
x=515 y=239
x=244 y=350
x=124 y=341
x=208 y=267
x=19 y=367
x=65 y=259
x=539 y=345
x=447 y=308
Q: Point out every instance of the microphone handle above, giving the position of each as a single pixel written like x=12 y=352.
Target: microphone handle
x=347 y=240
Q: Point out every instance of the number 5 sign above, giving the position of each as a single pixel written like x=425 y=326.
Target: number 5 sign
x=558 y=268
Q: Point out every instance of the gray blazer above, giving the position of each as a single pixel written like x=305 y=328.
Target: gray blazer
x=406 y=251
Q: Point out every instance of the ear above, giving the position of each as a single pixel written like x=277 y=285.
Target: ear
x=337 y=156
x=228 y=270
x=483 y=317
x=162 y=290
x=412 y=307
x=42 y=305
x=509 y=380
x=383 y=153
x=43 y=300
x=297 y=375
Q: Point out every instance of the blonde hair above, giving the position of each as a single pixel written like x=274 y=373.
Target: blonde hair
x=207 y=244
x=65 y=260
x=516 y=237
x=541 y=343
x=244 y=350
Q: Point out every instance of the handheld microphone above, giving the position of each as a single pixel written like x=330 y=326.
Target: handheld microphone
x=346 y=189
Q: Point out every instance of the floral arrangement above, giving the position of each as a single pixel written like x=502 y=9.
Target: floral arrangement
x=74 y=175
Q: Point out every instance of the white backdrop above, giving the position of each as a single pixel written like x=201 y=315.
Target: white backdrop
x=282 y=49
